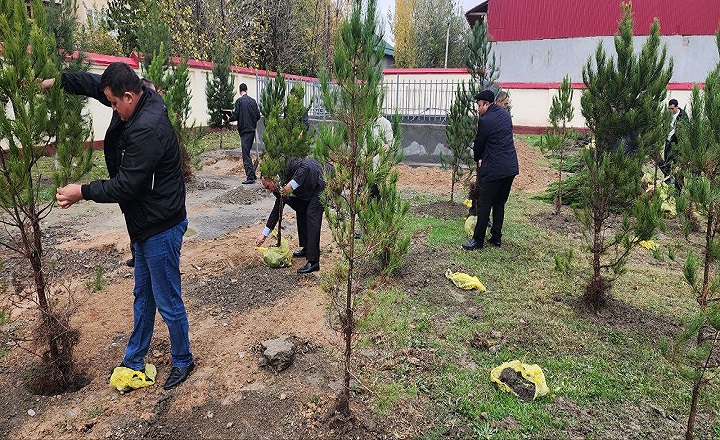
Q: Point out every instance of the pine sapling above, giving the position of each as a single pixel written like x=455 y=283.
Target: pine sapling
x=622 y=108
x=32 y=121
x=285 y=137
x=560 y=137
x=697 y=351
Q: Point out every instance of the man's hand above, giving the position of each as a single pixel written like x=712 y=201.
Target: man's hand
x=47 y=83
x=260 y=239
x=480 y=162
x=286 y=190
x=68 y=195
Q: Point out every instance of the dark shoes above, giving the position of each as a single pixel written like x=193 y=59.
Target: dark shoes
x=248 y=181
x=178 y=376
x=309 y=267
x=301 y=253
x=472 y=244
x=130 y=262
x=495 y=242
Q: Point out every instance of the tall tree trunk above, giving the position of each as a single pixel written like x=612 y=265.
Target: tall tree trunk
x=452 y=186
x=279 y=225
x=33 y=244
x=693 y=410
x=708 y=259
x=559 y=197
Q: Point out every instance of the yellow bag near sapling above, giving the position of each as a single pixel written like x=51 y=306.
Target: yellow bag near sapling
x=524 y=380
x=277 y=256
x=125 y=379
x=464 y=281
x=470 y=223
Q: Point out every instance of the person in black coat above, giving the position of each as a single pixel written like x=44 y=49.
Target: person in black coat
x=494 y=152
x=142 y=154
x=669 y=155
x=247 y=115
x=301 y=193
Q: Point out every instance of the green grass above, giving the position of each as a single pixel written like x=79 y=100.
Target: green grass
x=594 y=363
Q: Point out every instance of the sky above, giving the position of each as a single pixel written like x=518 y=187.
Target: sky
x=383 y=6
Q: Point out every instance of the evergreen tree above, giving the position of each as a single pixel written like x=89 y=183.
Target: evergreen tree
x=560 y=137
x=622 y=108
x=177 y=99
x=124 y=16
x=480 y=60
x=463 y=117
x=158 y=70
x=220 y=86
x=286 y=136
x=272 y=95
x=460 y=131
x=152 y=32
x=699 y=148
x=31 y=122
x=354 y=100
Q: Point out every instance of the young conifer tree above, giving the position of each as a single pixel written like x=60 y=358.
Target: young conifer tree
x=699 y=148
x=285 y=137
x=177 y=99
x=622 y=106
x=31 y=122
x=352 y=145
x=559 y=138
x=463 y=118
x=220 y=86
x=460 y=132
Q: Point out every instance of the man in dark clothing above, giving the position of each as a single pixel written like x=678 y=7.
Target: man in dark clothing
x=143 y=159
x=247 y=114
x=672 y=140
x=494 y=151
x=302 y=193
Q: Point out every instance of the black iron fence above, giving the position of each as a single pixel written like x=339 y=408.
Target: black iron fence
x=416 y=101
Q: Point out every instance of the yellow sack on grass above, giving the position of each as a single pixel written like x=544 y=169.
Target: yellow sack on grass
x=467 y=203
x=464 y=281
x=470 y=223
x=125 y=379
x=648 y=244
x=275 y=256
x=532 y=373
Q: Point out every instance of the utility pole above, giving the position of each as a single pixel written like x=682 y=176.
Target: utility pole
x=447 y=42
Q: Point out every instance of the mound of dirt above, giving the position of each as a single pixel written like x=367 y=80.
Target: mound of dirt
x=535 y=174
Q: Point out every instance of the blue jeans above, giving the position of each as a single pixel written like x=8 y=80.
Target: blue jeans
x=157 y=286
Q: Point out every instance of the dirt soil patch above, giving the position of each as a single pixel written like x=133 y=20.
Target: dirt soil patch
x=445 y=210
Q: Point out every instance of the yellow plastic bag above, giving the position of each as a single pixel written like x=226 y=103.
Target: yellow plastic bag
x=467 y=203
x=470 y=223
x=464 y=281
x=275 y=256
x=648 y=244
x=125 y=379
x=532 y=373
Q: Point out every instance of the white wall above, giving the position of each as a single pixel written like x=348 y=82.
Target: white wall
x=530 y=105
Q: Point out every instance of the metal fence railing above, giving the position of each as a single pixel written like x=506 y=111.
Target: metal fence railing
x=416 y=101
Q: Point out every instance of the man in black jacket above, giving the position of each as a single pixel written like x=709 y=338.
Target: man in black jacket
x=302 y=193
x=669 y=155
x=143 y=159
x=247 y=114
x=494 y=152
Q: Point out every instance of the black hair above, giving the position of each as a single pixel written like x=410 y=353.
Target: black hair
x=243 y=87
x=120 y=78
x=147 y=83
x=673 y=102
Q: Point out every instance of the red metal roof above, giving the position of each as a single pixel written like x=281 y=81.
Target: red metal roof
x=513 y=20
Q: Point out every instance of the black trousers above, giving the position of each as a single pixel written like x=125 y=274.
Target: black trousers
x=246 y=142
x=309 y=220
x=493 y=195
x=668 y=158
